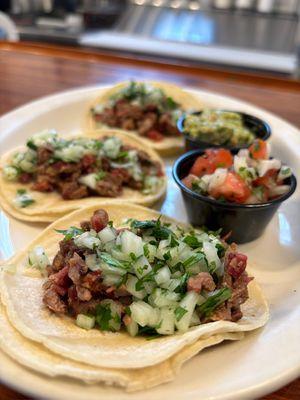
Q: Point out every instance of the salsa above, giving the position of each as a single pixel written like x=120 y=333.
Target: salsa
x=218 y=127
x=78 y=168
x=250 y=177
x=142 y=108
x=147 y=276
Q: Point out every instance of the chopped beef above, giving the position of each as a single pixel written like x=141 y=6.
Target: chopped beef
x=99 y=220
x=43 y=184
x=88 y=160
x=222 y=313
x=44 y=153
x=61 y=277
x=236 y=278
x=53 y=300
x=83 y=293
x=147 y=120
x=25 y=177
x=110 y=186
x=77 y=268
x=121 y=174
x=85 y=225
x=236 y=264
x=201 y=281
x=82 y=307
x=73 y=190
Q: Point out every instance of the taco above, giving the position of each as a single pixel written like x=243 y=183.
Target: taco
x=150 y=109
x=53 y=175
x=98 y=284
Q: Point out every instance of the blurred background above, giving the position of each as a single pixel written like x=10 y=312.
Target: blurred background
x=243 y=34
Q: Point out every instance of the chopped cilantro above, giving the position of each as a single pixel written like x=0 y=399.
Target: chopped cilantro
x=193 y=259
x=214 y=301
x=100 y=175
x=110 y=260
x=192 y=241
x=179 y=313
x=70 y=233
x=103 y=316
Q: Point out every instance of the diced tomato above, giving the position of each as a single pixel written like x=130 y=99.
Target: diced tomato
x=202 y=166
x=213 y=159
x=258 y=150
x=220 y=158
x=267 y=180
x=233 y=189
x=155 y=135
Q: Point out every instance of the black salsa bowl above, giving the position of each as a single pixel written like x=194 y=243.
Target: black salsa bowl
x=245 y=222
x=260 y=128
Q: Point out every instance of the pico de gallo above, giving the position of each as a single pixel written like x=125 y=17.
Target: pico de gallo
x=250 y=177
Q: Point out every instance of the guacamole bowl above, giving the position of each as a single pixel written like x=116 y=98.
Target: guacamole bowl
x=214 y=130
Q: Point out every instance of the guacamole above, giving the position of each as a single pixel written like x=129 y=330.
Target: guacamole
x=218 y=127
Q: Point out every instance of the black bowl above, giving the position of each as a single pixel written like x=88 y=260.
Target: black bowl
x=260 y=128
x=246 y=222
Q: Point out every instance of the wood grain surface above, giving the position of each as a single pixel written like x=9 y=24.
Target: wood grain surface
x=29 y=71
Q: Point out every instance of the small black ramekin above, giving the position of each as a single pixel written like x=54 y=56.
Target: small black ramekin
x=260 y=128
x=246 y=222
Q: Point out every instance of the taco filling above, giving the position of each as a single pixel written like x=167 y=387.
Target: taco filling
x=142 y=108
x=148 y=277
x=83 y=167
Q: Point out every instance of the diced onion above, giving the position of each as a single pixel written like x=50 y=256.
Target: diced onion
x=163 y=275
x=131 y=288
x=188 y=303
x=131 y=243
x=85 y=322
x=132 y=328
x=167 y=324
x=89 y=180
x=38 y=259
x=107 y=234
x=87 y=240
x=10 y=173
x=143 y=314
x=263 y=166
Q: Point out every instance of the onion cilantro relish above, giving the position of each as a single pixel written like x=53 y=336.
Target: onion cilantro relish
x=152 y=277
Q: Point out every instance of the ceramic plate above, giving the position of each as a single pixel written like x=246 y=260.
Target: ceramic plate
x=261 y=363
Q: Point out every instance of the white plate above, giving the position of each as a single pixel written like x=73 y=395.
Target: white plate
x=261 y=363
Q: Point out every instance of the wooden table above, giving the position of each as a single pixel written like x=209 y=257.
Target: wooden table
x=29 y=71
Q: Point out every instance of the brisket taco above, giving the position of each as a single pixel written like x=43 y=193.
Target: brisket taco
x=150 y=109
x=124 y=296
x=52 y=175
